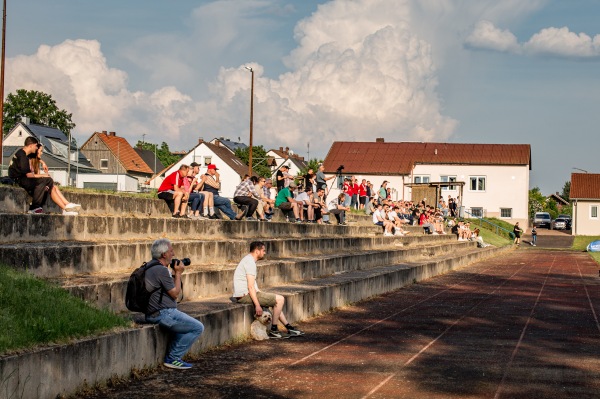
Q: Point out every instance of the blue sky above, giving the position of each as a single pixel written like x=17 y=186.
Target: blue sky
x=480 y=71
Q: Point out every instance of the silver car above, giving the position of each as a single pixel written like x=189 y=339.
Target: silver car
x=560 y=224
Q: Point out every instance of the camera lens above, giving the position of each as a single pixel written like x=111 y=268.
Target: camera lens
x=186 y=261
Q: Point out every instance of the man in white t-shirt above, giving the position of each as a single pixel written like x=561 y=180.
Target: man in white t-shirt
x=379 y=220
x=246 y=291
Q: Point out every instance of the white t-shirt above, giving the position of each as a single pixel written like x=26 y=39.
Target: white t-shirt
x=303 y=197
x=375 y=214
x=240 y=282
x=392 y=215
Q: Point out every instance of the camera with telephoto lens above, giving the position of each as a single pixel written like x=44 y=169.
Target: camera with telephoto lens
x=184 y=261
x=339 y=170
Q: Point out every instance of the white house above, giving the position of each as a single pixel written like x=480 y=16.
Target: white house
x=286 y=157
x=494 y=177
x=585 y=196
x=231 y=168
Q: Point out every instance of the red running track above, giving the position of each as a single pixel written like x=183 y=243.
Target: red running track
x=518 y=326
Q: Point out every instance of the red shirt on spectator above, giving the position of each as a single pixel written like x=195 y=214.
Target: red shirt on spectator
x=362 y=190
x=174 y=179
x=355 y=189
x=347 y=188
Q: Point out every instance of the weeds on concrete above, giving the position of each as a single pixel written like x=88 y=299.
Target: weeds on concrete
x=34 y=312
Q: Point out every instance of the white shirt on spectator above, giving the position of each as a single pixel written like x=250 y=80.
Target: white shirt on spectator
x=377 y=216
x=303 y=196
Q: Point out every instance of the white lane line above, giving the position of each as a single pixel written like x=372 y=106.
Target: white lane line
x=516 y=349
x=379 y=322
x=416 y=355
x=588 y=296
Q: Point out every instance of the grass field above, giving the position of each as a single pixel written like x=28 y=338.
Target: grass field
x=33 y=312
x=581 y=243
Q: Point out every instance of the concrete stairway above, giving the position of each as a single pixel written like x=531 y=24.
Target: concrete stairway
x=317 y=268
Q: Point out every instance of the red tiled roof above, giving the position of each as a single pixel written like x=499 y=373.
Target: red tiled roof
x=400 y=158
x=585 y=186
x=121 y=149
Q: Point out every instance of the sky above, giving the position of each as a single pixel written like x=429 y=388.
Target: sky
x=458 y=71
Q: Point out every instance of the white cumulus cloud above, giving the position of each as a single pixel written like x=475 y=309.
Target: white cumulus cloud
x=486 y=36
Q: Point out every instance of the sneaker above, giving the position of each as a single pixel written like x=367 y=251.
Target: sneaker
x=73 y=207
x=387 y=234
x=213 y=216
x=250 y=219
x=36 y=211
x=175 y=216
x=398 y=233
x=276 y=334
x=177 y=364
x=294 y=332
x=327 y=222
x=298 y=221
x=69 y=213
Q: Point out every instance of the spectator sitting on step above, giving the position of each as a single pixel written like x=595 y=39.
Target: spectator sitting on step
x=477 y=237
x=370 y=206
x=338 y=208
x=162 y=307
x=246 y=195
x=425 y=222
x=269 y=203
x=39 y=167
x=173 y=189
x=306 y=198
x=379 y=220
x=208 y=206
x=193 y=198
x=398 y=222
x=245 y=290
x=318 y=202
x=38 y=185
x=212 y=184
x=264 y=203
x=288 y=205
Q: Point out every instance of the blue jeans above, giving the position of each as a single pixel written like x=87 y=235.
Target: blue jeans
x=224 y=205
x=196 y=200
x=347 y=200
x=184 y=329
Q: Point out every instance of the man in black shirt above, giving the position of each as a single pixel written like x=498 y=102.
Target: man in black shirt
x=20 y=171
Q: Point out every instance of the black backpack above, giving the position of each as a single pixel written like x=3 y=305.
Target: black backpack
x=137 y=296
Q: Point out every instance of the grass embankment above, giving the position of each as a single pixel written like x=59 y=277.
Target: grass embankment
x=581 y=242
x=488 y=232
x=34 y=312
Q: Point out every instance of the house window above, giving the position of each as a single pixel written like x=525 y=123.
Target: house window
x=477 y=183
x=506 y=213
x=104 y=164
x=448 y=179
x=421 y=179
x=594 y=212
x=20 y=133
x=477 y=212
x=207 y=161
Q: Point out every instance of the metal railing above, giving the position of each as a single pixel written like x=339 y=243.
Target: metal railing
x=496 y=229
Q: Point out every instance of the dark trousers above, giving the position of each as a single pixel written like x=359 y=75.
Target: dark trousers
x=339 y=214
x=38 y=188
x=251 y=203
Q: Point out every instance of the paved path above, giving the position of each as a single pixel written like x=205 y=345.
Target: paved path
x=524 y=325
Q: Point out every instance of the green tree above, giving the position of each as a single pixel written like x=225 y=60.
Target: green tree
x=537 y=201
x=163 y=153
x=566 y=191
x=312 y=164
x=259 y=159
x=39 y=107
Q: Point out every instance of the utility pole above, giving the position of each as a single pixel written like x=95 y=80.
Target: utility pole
x=251 y=121
x=2 y=66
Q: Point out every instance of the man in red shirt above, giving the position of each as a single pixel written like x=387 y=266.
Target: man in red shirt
x=172 y=189
x=362 y=194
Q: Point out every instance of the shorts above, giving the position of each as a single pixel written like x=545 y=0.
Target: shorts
x=379 y=224
x=362 y=200
x=264 y=298
x=285 y=206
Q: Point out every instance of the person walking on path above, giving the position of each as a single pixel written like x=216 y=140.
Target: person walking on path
x=533 y=236
x=517 y=231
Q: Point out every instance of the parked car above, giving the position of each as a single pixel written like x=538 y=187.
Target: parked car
x=568 y=219
x=560 y=224
x=542 y=219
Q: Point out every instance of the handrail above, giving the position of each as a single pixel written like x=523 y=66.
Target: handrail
x=493 y=225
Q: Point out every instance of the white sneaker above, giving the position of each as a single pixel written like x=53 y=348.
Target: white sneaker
x=398 y=233
x=435 y=233
x=72 y=207
x=69 y=213
x=36 y=211
x=387 y=234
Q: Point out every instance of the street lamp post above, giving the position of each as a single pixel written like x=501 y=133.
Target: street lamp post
x=2 y=66
x=251 y=121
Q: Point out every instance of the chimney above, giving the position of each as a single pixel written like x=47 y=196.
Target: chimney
x=380 y=140
x=25 y=120
x=200 y=140
x=112 y=134
x=104 y=132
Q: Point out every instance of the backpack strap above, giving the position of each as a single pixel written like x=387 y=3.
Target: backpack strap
x=149 y=265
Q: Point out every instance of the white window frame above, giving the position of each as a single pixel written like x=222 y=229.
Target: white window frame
x=101 y=162
x=207 y=160
x=421 y=178
x=477 y=209
x=448 y=179
x=506 y=209
x=594 y=209
x=478 y=179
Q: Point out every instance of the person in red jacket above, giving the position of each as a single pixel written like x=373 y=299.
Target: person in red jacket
x=172 y=189
x=362 y=194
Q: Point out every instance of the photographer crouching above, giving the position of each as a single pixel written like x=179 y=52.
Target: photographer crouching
x=162 y=307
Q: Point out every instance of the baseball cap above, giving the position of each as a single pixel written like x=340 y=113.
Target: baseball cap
x=194 y=164
x=212 y=166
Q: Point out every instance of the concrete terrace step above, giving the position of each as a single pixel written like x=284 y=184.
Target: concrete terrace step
x=108 y=290
x=49 y=227
x=94 y=360
x=63 y=258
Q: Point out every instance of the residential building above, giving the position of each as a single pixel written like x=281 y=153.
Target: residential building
x=150 y=158
x=492 y=178
x=113 y=155
x=280 y=157
x=585 y=196
x=227 y=143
